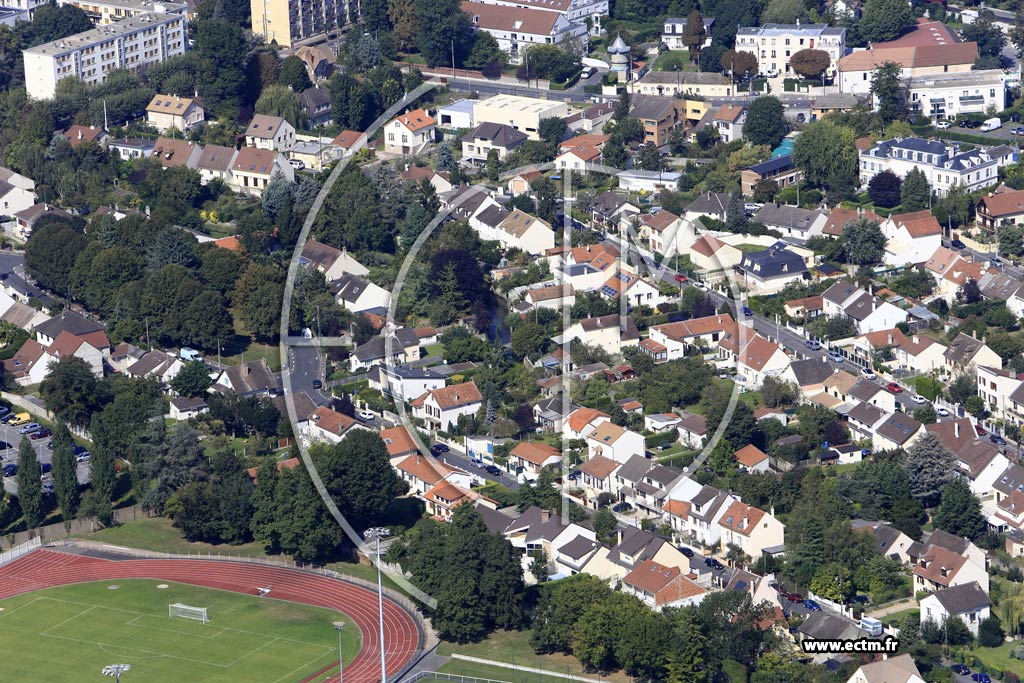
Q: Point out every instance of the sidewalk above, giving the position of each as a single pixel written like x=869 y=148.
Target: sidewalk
x=893 y=608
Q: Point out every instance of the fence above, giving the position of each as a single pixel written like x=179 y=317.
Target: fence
x=438 y=676
x=56 y=532
x=527 y=669
x=19 y=551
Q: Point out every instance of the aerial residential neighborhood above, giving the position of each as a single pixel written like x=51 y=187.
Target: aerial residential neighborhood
x=492 y=340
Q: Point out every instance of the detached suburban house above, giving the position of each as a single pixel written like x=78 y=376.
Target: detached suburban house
x=409 y=133
x=967 y=602
x=167 y=112
x=359 y=294
x=253 y=169
x=528 y=459
x=270 y=133
x=330 y=425
x=478 y=143
x=659 y=586
x=750 y=529
x=441 y=408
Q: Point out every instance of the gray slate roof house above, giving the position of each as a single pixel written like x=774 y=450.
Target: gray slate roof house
x=497 y=134
x=810 y=371
x=710 y=203
x=967 y=597
x=249 y=379
x=899 y=428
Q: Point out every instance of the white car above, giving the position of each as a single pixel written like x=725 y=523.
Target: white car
x=700 y=285
x=835 y=357
x=868 y=374
x=366 y=415
x=943 y=125
x=918 y=398
x=942 y=412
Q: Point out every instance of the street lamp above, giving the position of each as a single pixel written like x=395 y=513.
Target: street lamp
x=338 y=625
x=379 y=533
x=116 y=670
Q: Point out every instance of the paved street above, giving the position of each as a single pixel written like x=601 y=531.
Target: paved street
x=45 y=455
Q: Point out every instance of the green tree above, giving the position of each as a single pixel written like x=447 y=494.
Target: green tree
x=72 y=392
x=959 y=511
x=528 y=339
x=279 y=100
x=443 y=27
x=784 y=12
x=358 y=474
x=990 y=632
x=884 y=20
x=810 y=63
x=263 y=524
x=686 y=662
x=890 y=92
x=834 y=582
x=192 y=380
x=825 y=150
x=648 y=158
x=65 y=472
x=694 y=34
x=915 y=193
x=485 y=51
x=929 y=465
x=293 y=74
x=221 y=48
x=739 y=62
x=559 y=606
x=403 y=16
x=50 y=254
x=766 y=122
x=605 y=526
x=863 y=242
x=30 y=492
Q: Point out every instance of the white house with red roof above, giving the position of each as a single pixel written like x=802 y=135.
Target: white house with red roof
x=441 y=408
x=750 y=458
x=617 y=443
x=423 y=473
x=706 y=332
x=409 y=133
x=728 y=121
x=708 y=253
x=253 y=168
x=528 y=459
x=755 y=357
x=659 y=586
x=583 y=421
x=664 y=232
x=517 y=28
x=911 y=238
x=330 y=426
x=750 y=529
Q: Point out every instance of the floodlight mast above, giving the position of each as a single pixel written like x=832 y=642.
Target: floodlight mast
x=379 y=533
x=116 y=670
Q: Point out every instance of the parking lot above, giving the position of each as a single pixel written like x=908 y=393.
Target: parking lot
x=10 y=436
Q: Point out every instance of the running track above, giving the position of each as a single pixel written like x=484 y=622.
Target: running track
x=46 y=568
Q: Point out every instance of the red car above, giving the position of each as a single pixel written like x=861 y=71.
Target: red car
x=793 y=597
x=682 y=278
x=981 y=430
x=894 y=388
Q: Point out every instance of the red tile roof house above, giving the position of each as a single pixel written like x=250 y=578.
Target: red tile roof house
x=330 y=425
x=659 y=586
x=1002 y=207
x=441 y=408
x=529 y=459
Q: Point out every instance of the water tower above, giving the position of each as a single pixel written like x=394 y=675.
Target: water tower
x=618 y=53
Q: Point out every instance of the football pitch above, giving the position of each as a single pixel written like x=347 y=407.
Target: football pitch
x=70 y=633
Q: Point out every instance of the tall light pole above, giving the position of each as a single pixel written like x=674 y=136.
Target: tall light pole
x=338 y=626
x=116 y=670
x=379 y=533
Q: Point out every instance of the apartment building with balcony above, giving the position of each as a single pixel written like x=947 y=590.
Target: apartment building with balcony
x=89 y=56
x=774 y=44
x=289 y=22
x=944 y=164
x=106 y=12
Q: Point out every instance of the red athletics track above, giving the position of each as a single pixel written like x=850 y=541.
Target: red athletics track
x=48 y=568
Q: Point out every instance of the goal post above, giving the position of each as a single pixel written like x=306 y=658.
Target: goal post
x=187 y=612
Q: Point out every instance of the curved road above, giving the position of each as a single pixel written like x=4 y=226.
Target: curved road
x=48 y=568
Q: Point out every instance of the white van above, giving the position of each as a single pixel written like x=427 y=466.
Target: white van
x=189 y=354
x=991 y=124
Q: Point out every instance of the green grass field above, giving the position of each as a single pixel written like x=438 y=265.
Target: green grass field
x=70 y=633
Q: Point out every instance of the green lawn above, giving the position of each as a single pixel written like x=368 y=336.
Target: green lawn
x=70 y=633
x=255 y=351
x=514 y=647
x=998 y=657
x=667 y=61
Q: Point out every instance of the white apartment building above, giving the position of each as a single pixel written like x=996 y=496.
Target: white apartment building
x=105 y=12
x=518 y=28
x=774 y=44
x=945 y=96
x=944 y=165
x=575 y=11
x=129 y=44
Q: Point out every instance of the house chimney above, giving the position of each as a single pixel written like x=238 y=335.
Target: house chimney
x=974 y=333
x=917 y=339
x=890 y=339
x=746 y=522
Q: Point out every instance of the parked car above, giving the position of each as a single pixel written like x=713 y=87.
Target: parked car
x=868 y=373
x=493 y=470
x=713 y=563
x=980 y=430
x=439 y=448
x=46 y=467
x=77 y=449
x=687 y=552
x=894 y=388
x=981 y=678
x=943 y=125
x=997 y=440
x=318 y=384
x=48 y=487
x=622 y=507
x=957 y=244
x=574 y=475
x=20 y=419
x=959 y=669
x=10 y=469
x=793 y=597
x=30 y=427
x=941 y=412
x=681 y=278
x=41 y=434
x=4 y=446
x=366 y=415
x=918 y=398
x=700 y=285
x=812 y=606
x=747 y=312
x=813 y=344
x=83 y=457
x=835 y=357
x=4 y=411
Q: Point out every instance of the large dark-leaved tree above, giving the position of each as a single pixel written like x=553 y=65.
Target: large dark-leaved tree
x=443 y=28
x=884 y=20
x=65 y=475
x=884 y=189
x=51 y=252
x=929 y=465
x=30 y=491
x=863 y=242
x=73 y=392
x=766 y=122
x=358 y=475
x=959 y=511
x=474 y=575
